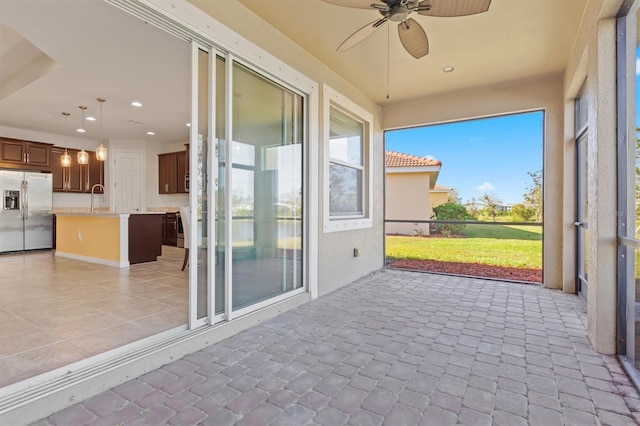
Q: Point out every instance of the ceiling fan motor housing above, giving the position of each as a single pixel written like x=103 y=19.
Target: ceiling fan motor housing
x=399 y=13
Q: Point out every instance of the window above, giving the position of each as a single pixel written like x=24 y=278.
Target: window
x=348 y=157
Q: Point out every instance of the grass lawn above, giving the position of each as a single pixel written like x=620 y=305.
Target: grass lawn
x=503 y=245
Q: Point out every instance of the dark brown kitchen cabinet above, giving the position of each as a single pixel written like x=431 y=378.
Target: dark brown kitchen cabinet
x=182 y=161
x=145 y=243
x=163 y=225
x=173 y=169
x=170 y=229
x=26 y=155
x=80 y=177
x=167 y=173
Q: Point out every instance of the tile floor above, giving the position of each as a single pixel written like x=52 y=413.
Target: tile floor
x=55 y=311
x=394 y=348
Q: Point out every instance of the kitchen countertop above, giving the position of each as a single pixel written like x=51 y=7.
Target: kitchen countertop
x=97 y=213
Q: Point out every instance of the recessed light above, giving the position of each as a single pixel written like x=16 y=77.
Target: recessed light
x=80 y=130
x=188 y=124
x=448 y=69
x=136 y=104
x=90 y=118
x=151 y=133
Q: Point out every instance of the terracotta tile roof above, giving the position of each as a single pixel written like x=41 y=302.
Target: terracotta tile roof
x=398 y=159
x=442 y=188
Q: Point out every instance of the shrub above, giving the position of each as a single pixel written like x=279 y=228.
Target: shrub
x=450 y=211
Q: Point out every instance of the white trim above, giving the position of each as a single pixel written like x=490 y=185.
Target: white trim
x=212 y=189
x=312 y=158
x=420 y=169
x=228 y=173
x=332 y=98
x=121 y=264
x=193 y=184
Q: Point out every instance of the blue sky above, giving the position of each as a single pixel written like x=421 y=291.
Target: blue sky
x=489 y=155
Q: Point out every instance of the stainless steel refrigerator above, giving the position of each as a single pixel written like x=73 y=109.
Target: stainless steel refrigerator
x=26 y=222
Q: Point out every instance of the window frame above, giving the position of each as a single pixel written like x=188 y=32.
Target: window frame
x=336 y=223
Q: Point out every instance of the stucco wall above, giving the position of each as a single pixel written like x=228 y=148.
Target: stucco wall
x=407 y=197
x=336 y=264
x=519 y=96
x=436 y=199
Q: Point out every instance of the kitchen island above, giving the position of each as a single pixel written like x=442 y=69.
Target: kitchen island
x=108 y=238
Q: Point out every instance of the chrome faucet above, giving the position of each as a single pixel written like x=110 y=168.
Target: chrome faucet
x=99 y=185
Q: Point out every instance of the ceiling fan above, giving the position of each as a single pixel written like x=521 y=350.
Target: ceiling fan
x=412 y=35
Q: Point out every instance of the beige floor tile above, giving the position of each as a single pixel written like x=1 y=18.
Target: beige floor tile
x=110 y=338
x=84 y=325
x=141 y=310
x=30 y=363
x=164 y=320
x=30 y=340
x=16 y=327
x=62 y=315
x=54 y=311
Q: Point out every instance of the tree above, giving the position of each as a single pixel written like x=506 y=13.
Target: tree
x=472 y=207
x=454 y=197
x=491 y=203
x=522 y=213
x=450 y=211
x=533 y=194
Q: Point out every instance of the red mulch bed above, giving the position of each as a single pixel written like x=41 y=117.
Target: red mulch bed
x=469 y=269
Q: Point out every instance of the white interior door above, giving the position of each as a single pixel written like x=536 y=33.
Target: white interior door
x=127 y=184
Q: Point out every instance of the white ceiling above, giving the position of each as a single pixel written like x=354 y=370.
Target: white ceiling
x=57 y=55
x=515 y=39
x=94 y=50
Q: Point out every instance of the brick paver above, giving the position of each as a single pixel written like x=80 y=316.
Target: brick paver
x=393 y=348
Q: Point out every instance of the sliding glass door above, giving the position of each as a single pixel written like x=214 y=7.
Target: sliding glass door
x=246 y=157
x=266 y=189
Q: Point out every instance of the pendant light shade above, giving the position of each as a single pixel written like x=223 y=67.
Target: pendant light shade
x=101 y=151
x=83 y=156
x=65 y=159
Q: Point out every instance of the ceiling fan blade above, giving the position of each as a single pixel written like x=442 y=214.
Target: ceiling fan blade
x=449 y=8
x=360 y=4
x=413 y=38
x=361 y=35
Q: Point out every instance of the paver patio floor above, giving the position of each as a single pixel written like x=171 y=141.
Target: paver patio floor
x=397 y=348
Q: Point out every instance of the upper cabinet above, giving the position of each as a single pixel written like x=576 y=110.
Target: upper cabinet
x=26 y=155
x=173 y=172
x=79 y=177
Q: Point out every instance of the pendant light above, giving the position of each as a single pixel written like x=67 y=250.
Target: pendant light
x=101 y=151
x=65 y=159
x=83 y=156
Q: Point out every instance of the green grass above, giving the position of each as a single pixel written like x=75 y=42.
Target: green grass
x=502 y=245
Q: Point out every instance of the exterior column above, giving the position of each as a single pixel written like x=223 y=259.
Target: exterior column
x=602 y=188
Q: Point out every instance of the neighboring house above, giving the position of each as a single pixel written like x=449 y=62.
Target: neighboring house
x=283 y=116
x=411 y=192
x=506 y=208
x=439 y=195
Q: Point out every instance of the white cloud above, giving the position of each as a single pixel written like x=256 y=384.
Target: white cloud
x=487 y=186
x=430 y=157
